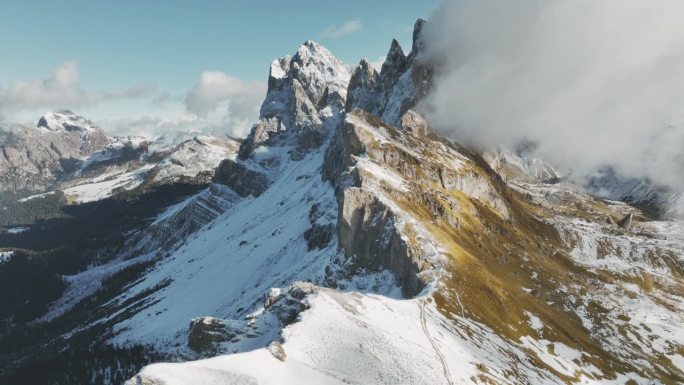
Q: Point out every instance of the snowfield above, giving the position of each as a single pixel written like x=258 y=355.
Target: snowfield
x=106 y=185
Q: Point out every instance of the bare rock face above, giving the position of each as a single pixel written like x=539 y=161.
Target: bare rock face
x=206 y=333
x=277 y=350
x=626 y=221
x=321 y=232
x=165 y=234
x=415 y=123
x=304 y=93
x=240 y=179
x=368 y=228
x=364 y=88
x=367 y=231
x=395 y=64
x=319 y=236
x=287 y=305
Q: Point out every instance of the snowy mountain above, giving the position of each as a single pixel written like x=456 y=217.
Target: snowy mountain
x=69 y=153
x=345 y=242
x=35 y=158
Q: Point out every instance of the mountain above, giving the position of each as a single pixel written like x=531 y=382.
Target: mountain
x=35 y=158
x=346 y=242
x=67 y=159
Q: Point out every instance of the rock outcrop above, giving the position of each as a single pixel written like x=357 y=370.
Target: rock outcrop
x=402 y=82
x=626 y=221
x=287 y=305
x=240 y=179
x=207 y=333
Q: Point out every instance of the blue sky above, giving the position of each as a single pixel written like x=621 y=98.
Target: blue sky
x=157 y=50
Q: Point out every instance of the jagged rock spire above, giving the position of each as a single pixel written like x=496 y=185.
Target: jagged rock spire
x=300 y=89
x=418 y=41
x=395 y=64
x=363 y=87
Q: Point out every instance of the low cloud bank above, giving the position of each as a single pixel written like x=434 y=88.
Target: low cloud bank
x=593 y=83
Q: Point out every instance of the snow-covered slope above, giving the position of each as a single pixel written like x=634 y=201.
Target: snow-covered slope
x=126 y=163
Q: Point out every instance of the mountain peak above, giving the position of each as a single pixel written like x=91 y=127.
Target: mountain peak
x=66 y=120
x=418 y=41
x=395 y=63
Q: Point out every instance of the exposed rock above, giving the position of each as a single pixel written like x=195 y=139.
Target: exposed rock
x=395 y=64
x=319 y=236
x=261 y=134
x=240 y=179
x=418 y=38
x=196 y=212
x=287 y=306
x=367 y=231
x=415 y=123
x=303 y=93
x=363 y=88
x=206 y=333
x=278 y=351
x=626 y=221
x=272 y=297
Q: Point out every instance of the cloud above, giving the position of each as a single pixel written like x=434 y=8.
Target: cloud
x=344 y=29
x=235 y=101
x=168 y=130
x=593 y=82
x=62 y=89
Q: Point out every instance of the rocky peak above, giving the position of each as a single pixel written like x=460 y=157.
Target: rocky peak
x=394 y=65
x=402 y=83
x=317 y=70
x=304 y=93
x=363 y=87
x=418 y=39
x=66 y=120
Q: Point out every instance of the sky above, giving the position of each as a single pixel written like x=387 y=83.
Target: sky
x=136 y=63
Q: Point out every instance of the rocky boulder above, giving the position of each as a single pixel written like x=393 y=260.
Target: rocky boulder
x=207 y=333
x=240 y=179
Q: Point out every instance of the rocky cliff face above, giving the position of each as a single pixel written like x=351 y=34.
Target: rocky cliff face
x=305 y=92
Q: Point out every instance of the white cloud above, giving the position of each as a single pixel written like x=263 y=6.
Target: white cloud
x=170 y=129
x=62 y=89
x=593 y=82
x=344 y=29
x=218 y=95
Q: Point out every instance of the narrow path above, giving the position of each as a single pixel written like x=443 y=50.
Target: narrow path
x=423 y=322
